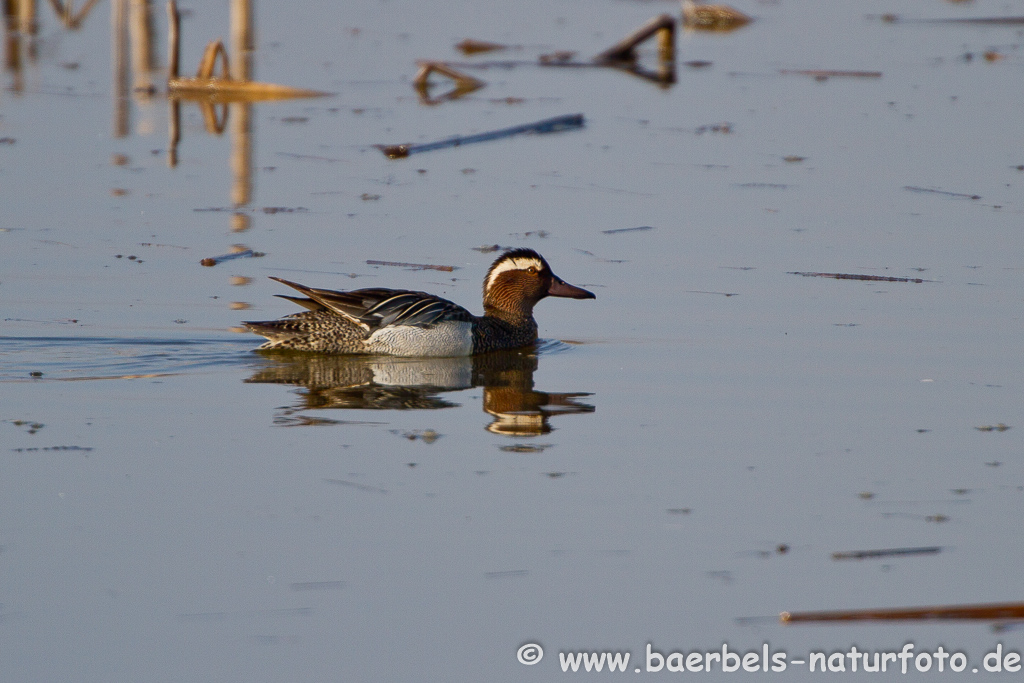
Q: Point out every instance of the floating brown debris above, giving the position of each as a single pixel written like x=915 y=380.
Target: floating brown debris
x=983 y=612
x=418 y=266
x=993 y=428
x=725 y=128
x=853 y=276
x=559 y=57
x=463 y=84
x=888 y=552
x=243 y=253
x=472 y=47
x=712 y=17
x=825 y=74
x=555 y=125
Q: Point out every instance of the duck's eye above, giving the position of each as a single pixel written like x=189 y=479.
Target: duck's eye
x=531 y=270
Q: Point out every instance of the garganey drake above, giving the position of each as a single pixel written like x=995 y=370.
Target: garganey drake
x=396 y=322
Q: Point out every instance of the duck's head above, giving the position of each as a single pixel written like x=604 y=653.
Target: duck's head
x=520 y=278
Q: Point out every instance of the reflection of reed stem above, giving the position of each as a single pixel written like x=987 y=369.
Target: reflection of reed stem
x=174 y=132
x=241 y=152
x=119 y=32
x=67 y=15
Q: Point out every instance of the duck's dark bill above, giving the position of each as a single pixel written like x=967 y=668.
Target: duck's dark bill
x=560 y=288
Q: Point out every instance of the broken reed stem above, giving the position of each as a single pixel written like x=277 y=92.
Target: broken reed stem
x=462 y=81
x=625 y=50
x=209 y=61
x=207 y=86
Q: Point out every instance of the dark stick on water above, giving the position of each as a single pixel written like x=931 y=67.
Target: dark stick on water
x=555 y=125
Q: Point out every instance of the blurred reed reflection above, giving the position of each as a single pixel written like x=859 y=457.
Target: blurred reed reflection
x=21 y=29
x=389 y=383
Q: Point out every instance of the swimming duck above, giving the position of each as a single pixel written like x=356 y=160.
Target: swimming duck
x=397 y=322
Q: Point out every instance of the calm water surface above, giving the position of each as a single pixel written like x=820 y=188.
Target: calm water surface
x=679 y=456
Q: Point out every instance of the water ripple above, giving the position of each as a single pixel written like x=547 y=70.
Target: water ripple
x=83 y=358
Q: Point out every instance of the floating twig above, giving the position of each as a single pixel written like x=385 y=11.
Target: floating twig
x=463 y=84
x=853 y=276
x=559 y=57
x=889 y=552
x=1009 y=610
x=555 y=125
x=616 y=231
x=663 y=26
x=960 y=195
x=712 y=17
x=472 y=47
x=245 y=253
x=418 y=266
x=993 y=428
x=825 y=74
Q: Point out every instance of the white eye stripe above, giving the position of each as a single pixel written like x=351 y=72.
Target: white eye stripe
x=512 y=264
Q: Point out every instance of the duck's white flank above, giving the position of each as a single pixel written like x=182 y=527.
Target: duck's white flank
x=441 y=341
x=522 y=263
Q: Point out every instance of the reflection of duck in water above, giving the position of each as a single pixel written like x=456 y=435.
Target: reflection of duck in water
x=388 y=383
x=395 y=322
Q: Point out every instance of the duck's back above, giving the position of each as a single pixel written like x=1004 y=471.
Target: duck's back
x=373 y=321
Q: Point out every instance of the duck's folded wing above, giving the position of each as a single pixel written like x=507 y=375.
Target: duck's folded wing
x=379 y=307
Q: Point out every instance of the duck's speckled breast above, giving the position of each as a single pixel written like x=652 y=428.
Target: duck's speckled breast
x=443 y=340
